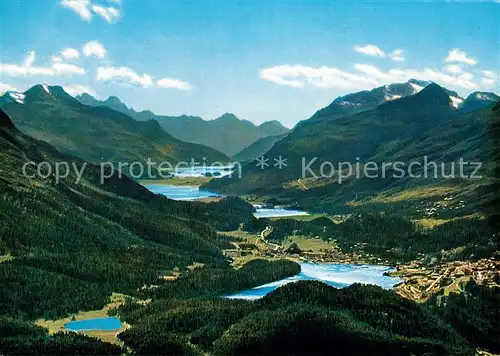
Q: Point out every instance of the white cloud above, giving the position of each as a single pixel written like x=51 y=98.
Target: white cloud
x=87 y=8
x=70 y=53
x=370 y=50
x=6 y=87
x=489 y=74
x=29 y=59
x=366 y=76
x=458 y=56
x=81 y=7
x=322 y=77
x=173 y=84
x=78 y=90
x=123 y=75
x=27 y=68
x=397 y=55
x=110 y=14
x=487 y=82
x=454 y=69
x=94 y=48
x=67 y=69
x=129 y=76
x=56 y=59
x=489 y=79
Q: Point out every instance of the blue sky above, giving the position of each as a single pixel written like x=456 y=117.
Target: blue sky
x=261 y=60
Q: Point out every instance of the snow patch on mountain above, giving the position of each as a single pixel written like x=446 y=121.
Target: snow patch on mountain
x=12 y=96
x=456 y=101
x=389 y=97
x=416 y=87
x=484 y=96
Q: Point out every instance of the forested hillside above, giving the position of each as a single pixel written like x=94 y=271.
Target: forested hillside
x=299 y=318
x=70 y=245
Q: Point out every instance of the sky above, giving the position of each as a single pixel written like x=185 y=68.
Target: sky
x=261 y=60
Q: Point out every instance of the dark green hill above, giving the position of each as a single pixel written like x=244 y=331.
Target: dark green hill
x=303 y=318
x=227 y=134
x=98 y=134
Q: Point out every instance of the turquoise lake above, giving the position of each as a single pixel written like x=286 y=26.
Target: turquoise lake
x=203 y=171
x=277 y=212
x=105 y=324
x=335 y=275
x=178 y=192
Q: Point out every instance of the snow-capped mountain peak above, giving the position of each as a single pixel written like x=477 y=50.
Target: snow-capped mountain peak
x=13 y=96
x=46 y=88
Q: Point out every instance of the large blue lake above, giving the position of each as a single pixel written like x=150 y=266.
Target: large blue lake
x=106 y=324
x=335 y=275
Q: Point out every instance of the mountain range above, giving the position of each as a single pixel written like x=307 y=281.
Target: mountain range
x=227 y=133
x=369 y=99
x=426 y=123
x=96 y=134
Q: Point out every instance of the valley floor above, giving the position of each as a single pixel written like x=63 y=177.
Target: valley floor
x=420 y=281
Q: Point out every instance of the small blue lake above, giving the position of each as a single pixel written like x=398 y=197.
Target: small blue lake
x=277 y=212
x=105 y=324
x=203 y=171
x=178 y=192
x=335 y=275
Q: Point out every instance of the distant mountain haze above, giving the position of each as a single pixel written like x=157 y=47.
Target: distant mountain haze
x=227 y=133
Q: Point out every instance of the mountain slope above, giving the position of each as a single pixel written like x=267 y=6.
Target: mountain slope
x=425 y=124
x=227 y=134
x=98 y=133
x=257 y=149
x=478 y=100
